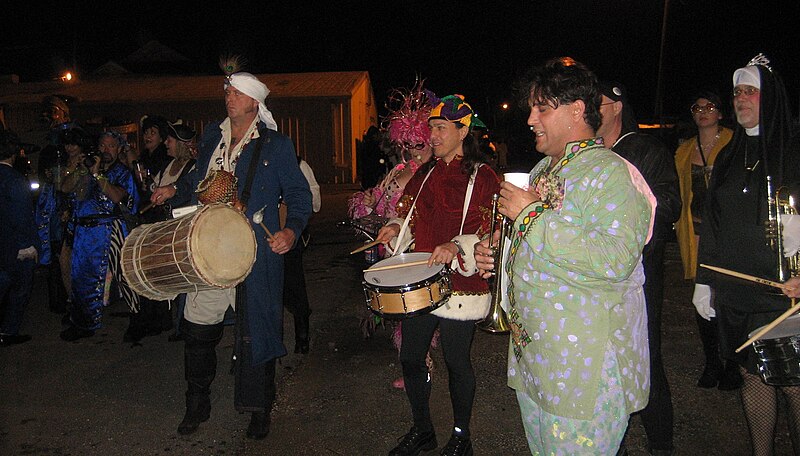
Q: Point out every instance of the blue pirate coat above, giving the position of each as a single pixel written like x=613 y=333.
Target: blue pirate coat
x=277 y=176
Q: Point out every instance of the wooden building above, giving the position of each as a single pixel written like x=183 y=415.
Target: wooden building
x=325 y=114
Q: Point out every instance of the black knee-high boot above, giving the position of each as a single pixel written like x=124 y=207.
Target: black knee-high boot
x=714 y=367
x=200 y=367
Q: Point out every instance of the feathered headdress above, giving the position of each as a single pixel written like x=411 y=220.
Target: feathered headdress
x=231 y=63
x=407 y=121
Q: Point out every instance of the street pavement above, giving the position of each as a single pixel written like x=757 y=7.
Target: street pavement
x=100 y=396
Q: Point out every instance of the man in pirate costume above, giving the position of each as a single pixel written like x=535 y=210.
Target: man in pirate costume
x=450 y=199
x=245 y=145
x=578 y=356
x=733 y=236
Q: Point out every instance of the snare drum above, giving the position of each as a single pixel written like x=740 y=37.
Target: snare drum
x=407 y=291
x=778 y=353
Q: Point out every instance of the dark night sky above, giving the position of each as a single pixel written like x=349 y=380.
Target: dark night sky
x=474 y=48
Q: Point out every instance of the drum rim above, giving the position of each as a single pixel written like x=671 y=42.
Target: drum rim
x=425 y=310
x=444 y=272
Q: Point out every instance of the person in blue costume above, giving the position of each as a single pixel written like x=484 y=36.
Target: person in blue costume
x=104 y=190
x=246 y=143
x=50 y=206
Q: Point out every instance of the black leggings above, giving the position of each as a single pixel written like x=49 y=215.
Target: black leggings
x=456 y=341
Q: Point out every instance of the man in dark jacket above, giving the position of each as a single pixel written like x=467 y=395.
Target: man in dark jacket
x=17 y=240
x=657 y=164
x=246 y=144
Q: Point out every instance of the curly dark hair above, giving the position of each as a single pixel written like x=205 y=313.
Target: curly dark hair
x=563 y=80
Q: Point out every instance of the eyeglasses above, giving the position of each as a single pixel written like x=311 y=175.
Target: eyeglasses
x=746 y=90
x=708 y=107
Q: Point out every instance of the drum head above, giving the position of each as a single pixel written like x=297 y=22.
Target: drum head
x=223 y=245
x=401 y=276
x=786 y=328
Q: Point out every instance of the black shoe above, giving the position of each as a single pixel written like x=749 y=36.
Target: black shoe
x=150 y=332
x=13 y=339
x=301 y=345
x=414 y=442
x=259 y=426
x=457 y=446
x=710 y=376
x=74 y=333
x=66 y=320
x=133 y=336
x=731 y=378
x=193 y=418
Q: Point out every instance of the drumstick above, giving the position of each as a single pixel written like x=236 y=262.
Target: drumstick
x=743 y=276
x=396 y=266
x=146 y=208
x=269 y=234
x=774 y=323
x=258 y=217
x=366 y=246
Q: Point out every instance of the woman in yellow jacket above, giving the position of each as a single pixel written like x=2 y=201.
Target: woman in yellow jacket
x=694 y=160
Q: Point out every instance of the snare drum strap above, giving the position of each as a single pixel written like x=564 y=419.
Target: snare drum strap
x=467 y=199
x=251 y=171
x=398 y=247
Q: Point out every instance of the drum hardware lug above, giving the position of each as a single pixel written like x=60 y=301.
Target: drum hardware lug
x=367 y=299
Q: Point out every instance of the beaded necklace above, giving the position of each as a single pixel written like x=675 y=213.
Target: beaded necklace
x=224 y=159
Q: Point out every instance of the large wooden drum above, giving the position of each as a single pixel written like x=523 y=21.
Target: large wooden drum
x=212 y=248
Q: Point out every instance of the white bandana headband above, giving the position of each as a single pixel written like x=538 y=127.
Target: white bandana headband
x=255 y=89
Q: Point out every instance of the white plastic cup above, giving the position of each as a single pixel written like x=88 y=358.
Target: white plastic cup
x=521 y=180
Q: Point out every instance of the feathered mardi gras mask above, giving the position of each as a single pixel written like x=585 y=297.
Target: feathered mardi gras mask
x=454 y=109
x=407 y=121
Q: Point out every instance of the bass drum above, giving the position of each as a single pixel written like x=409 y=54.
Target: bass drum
x=212 y=248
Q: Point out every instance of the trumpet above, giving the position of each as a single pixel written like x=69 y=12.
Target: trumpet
x=496 y=321
x=780 y=202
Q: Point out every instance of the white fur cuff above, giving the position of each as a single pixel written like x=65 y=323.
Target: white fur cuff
x=467 y=243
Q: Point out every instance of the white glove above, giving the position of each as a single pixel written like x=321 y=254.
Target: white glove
x=791 y=234
x=26 y=254
x=702 y=301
